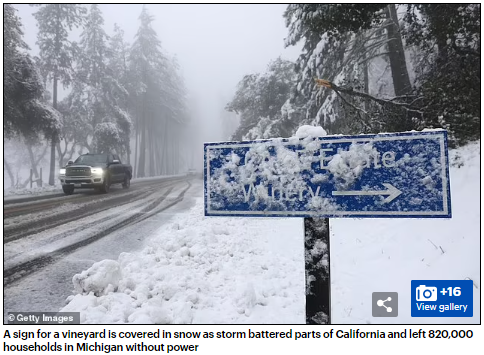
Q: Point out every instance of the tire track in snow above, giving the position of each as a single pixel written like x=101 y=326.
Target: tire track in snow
x=24 y=268
x=29 y=225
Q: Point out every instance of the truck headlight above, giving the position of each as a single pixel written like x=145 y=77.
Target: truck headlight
x=62 y=171
x=96 y=171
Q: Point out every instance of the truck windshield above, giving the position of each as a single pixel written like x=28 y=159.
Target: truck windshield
x=92 y=158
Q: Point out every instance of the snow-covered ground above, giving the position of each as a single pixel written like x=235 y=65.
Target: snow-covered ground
x=199 y=269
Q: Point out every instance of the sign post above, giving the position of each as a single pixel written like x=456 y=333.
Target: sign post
x=317 y=262
x=393 y=175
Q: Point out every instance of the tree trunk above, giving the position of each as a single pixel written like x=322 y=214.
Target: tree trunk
x=33 y=163
x=136 y=138
x=9 y=172
x=142 y=148
x=164 y=146
x=398 y=64
x=54 y=137
x=128 y=150
x=152 y=150
x=62 y=160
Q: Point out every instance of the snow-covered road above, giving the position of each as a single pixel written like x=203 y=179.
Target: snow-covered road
x=70 y=247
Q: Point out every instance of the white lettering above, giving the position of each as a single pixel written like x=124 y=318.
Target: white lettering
x=389 y=159
x=250 y=190
x=312 y=192
x=323 y=158
x=426 y=307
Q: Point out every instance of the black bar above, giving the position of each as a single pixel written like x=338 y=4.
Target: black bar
x=318 y=280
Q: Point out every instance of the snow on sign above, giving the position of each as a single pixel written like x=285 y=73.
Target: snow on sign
x=383 y=175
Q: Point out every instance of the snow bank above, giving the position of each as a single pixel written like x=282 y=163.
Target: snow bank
x=12 y=192
x=101 y=278
x=201 y=270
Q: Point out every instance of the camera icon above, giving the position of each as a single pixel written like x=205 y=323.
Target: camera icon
x=426 y=293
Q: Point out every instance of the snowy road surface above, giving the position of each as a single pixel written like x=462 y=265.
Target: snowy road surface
x=47 y=240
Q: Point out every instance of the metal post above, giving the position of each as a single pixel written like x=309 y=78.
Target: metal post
x=30 y=178
x=40 y=176
x=318 y=281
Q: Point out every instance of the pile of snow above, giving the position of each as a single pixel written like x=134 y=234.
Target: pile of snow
x=102 y=277
x=200 y=270
x=251 y=270
x=306 y=131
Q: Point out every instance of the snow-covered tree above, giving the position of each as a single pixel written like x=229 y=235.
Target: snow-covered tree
x=25 y=113
x=146 y=59
x=341 y=42
x=258 y=101
x=344 y=44
x=159 y=100
x=57 y=52
x=94 y=97
x=447 y=38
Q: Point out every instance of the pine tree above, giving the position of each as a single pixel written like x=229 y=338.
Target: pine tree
x=24 y=111
x=258 y=101
x=448 y=40
x=120 y=82
x=145 y=60
x=160 y=99
x=98 y=91
x=340 y=42
x=57 y=52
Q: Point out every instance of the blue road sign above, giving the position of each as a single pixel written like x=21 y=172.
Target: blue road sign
x=383 y=175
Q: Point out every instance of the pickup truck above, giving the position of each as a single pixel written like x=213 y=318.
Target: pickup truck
x=97 y=171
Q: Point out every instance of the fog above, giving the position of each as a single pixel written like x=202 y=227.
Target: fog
x=215 y=45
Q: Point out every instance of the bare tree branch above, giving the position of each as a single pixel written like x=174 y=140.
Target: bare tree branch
x=358 y=109
x=349 y=90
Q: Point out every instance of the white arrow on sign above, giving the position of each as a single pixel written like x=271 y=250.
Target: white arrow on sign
x=391 y=191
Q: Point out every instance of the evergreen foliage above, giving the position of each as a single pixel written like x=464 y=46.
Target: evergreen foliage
x=449 y=78
x=351 y=52
x=158 y=102
x=25 y=113
x=259 y=99
x=94 y=99
x=341 y=42
x=57 y=53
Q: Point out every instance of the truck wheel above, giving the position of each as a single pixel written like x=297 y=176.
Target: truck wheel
x=126 y=182
x=68 y=189
x=106 y=185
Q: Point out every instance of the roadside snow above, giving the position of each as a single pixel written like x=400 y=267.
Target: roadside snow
x=201 y=270
x=12 y=193
x=241 y=270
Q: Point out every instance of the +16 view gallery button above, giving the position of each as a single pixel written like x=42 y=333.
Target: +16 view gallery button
x=442 y=298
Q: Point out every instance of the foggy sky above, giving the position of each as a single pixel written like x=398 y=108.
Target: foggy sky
x=216 y=45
